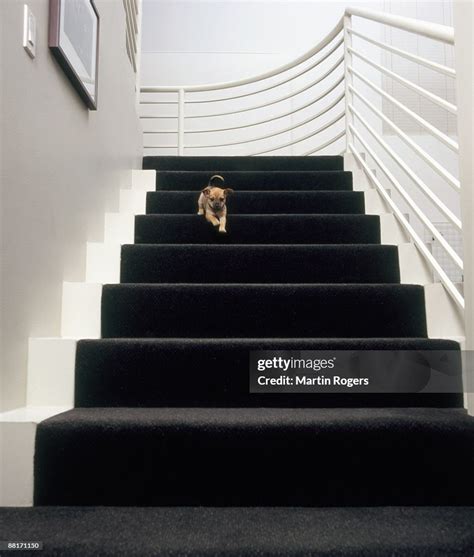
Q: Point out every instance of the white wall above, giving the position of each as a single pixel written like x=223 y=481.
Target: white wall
x=62 y=167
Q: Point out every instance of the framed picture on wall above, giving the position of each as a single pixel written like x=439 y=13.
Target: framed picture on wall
x=74 y=42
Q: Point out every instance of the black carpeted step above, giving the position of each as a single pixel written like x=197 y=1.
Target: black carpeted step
x=258 y=456
x=243 y=163
x=268 y=180
x=261 y=202
x=258 y=311
x=215 y=373
x=150 y=263
x=242 y=532
x=259 y=229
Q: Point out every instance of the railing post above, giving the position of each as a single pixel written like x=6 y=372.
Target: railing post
x=347 y=74
x=181 y=122
x=463 y=21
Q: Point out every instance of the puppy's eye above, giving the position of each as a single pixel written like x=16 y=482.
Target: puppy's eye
x=221 y=199
x=212 y=198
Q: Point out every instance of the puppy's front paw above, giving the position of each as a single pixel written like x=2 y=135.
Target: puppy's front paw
x=200 y=212
x=222 y=231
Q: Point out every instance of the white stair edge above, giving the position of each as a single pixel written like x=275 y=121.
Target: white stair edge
x=17 y=435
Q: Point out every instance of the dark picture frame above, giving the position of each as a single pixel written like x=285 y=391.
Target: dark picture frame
x=74 y=42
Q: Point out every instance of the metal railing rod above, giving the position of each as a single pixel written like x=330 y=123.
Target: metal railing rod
x=409 y=84
x=409 y=200
x=325 y=144
x=279 y=132
x=416 y=179
x=160 y=146
x=448 y=141
x=450 y=72
x=440 y=170
x=425 y=28
x=445 y=280
x=281 y=99
x=300 y=139
x=254 y=79
x=273 y=118
x=273 y=86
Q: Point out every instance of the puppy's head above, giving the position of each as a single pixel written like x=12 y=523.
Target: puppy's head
x=215 y=195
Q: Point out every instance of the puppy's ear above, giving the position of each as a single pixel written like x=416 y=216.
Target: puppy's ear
x=228 y=191
x=206 y=191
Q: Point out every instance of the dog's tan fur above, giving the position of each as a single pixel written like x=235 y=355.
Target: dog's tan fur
x=212 y=203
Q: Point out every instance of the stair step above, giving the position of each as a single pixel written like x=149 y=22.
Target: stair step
x=261 y=202
x=189 y=263
x=258 y=456
x=259 y=229
x=243 y=163
x=215 y=373
x=258 y=311
x=244 y=532
x=268 y=180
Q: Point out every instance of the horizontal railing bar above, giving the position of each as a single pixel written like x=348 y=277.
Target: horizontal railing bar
x=160 y=146
x=158 y=117
x=325 y=144
x=227 y=85
x=273 y=86
x=425 y=28
x=420 y=90
x=416 y=179
x=407 y=55
x=446 y=281
x=450 y=179
x=281 y=99
x=409 y=200
x=158 y=102
x=158 y=132
x=448 y=141
x=286 y=130
x=273 y=118
x=299 y=140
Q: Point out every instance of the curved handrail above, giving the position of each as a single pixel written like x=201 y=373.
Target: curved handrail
x=431 y=30
x=304 y=71
x=254 y=79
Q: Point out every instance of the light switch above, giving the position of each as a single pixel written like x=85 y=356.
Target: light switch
x=29 y=32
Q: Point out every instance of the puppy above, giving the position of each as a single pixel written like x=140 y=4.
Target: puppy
x=212 y=200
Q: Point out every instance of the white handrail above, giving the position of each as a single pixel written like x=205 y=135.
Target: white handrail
x=407 y=55
x=448 y=141
x=420 y=90
x=448 y=177
x=279 y=83
x=425 y=28
x=357 y=128
x=402 y=191
x=447 y=282
x=409 y=172
x=237 y=83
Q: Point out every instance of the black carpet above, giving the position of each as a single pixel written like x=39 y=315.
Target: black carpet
x=261 y=310
x=255 y=457
x=262 y=202
x=167 y=452
x=203 y=263
x=243 y=532
x=189 y=372
x=270 y=180
x=259 y=229
x=213 y=164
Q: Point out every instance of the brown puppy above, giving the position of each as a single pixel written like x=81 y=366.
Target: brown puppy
x=212 y=200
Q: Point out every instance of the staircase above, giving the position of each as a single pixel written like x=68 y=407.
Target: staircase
x=168 y=453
